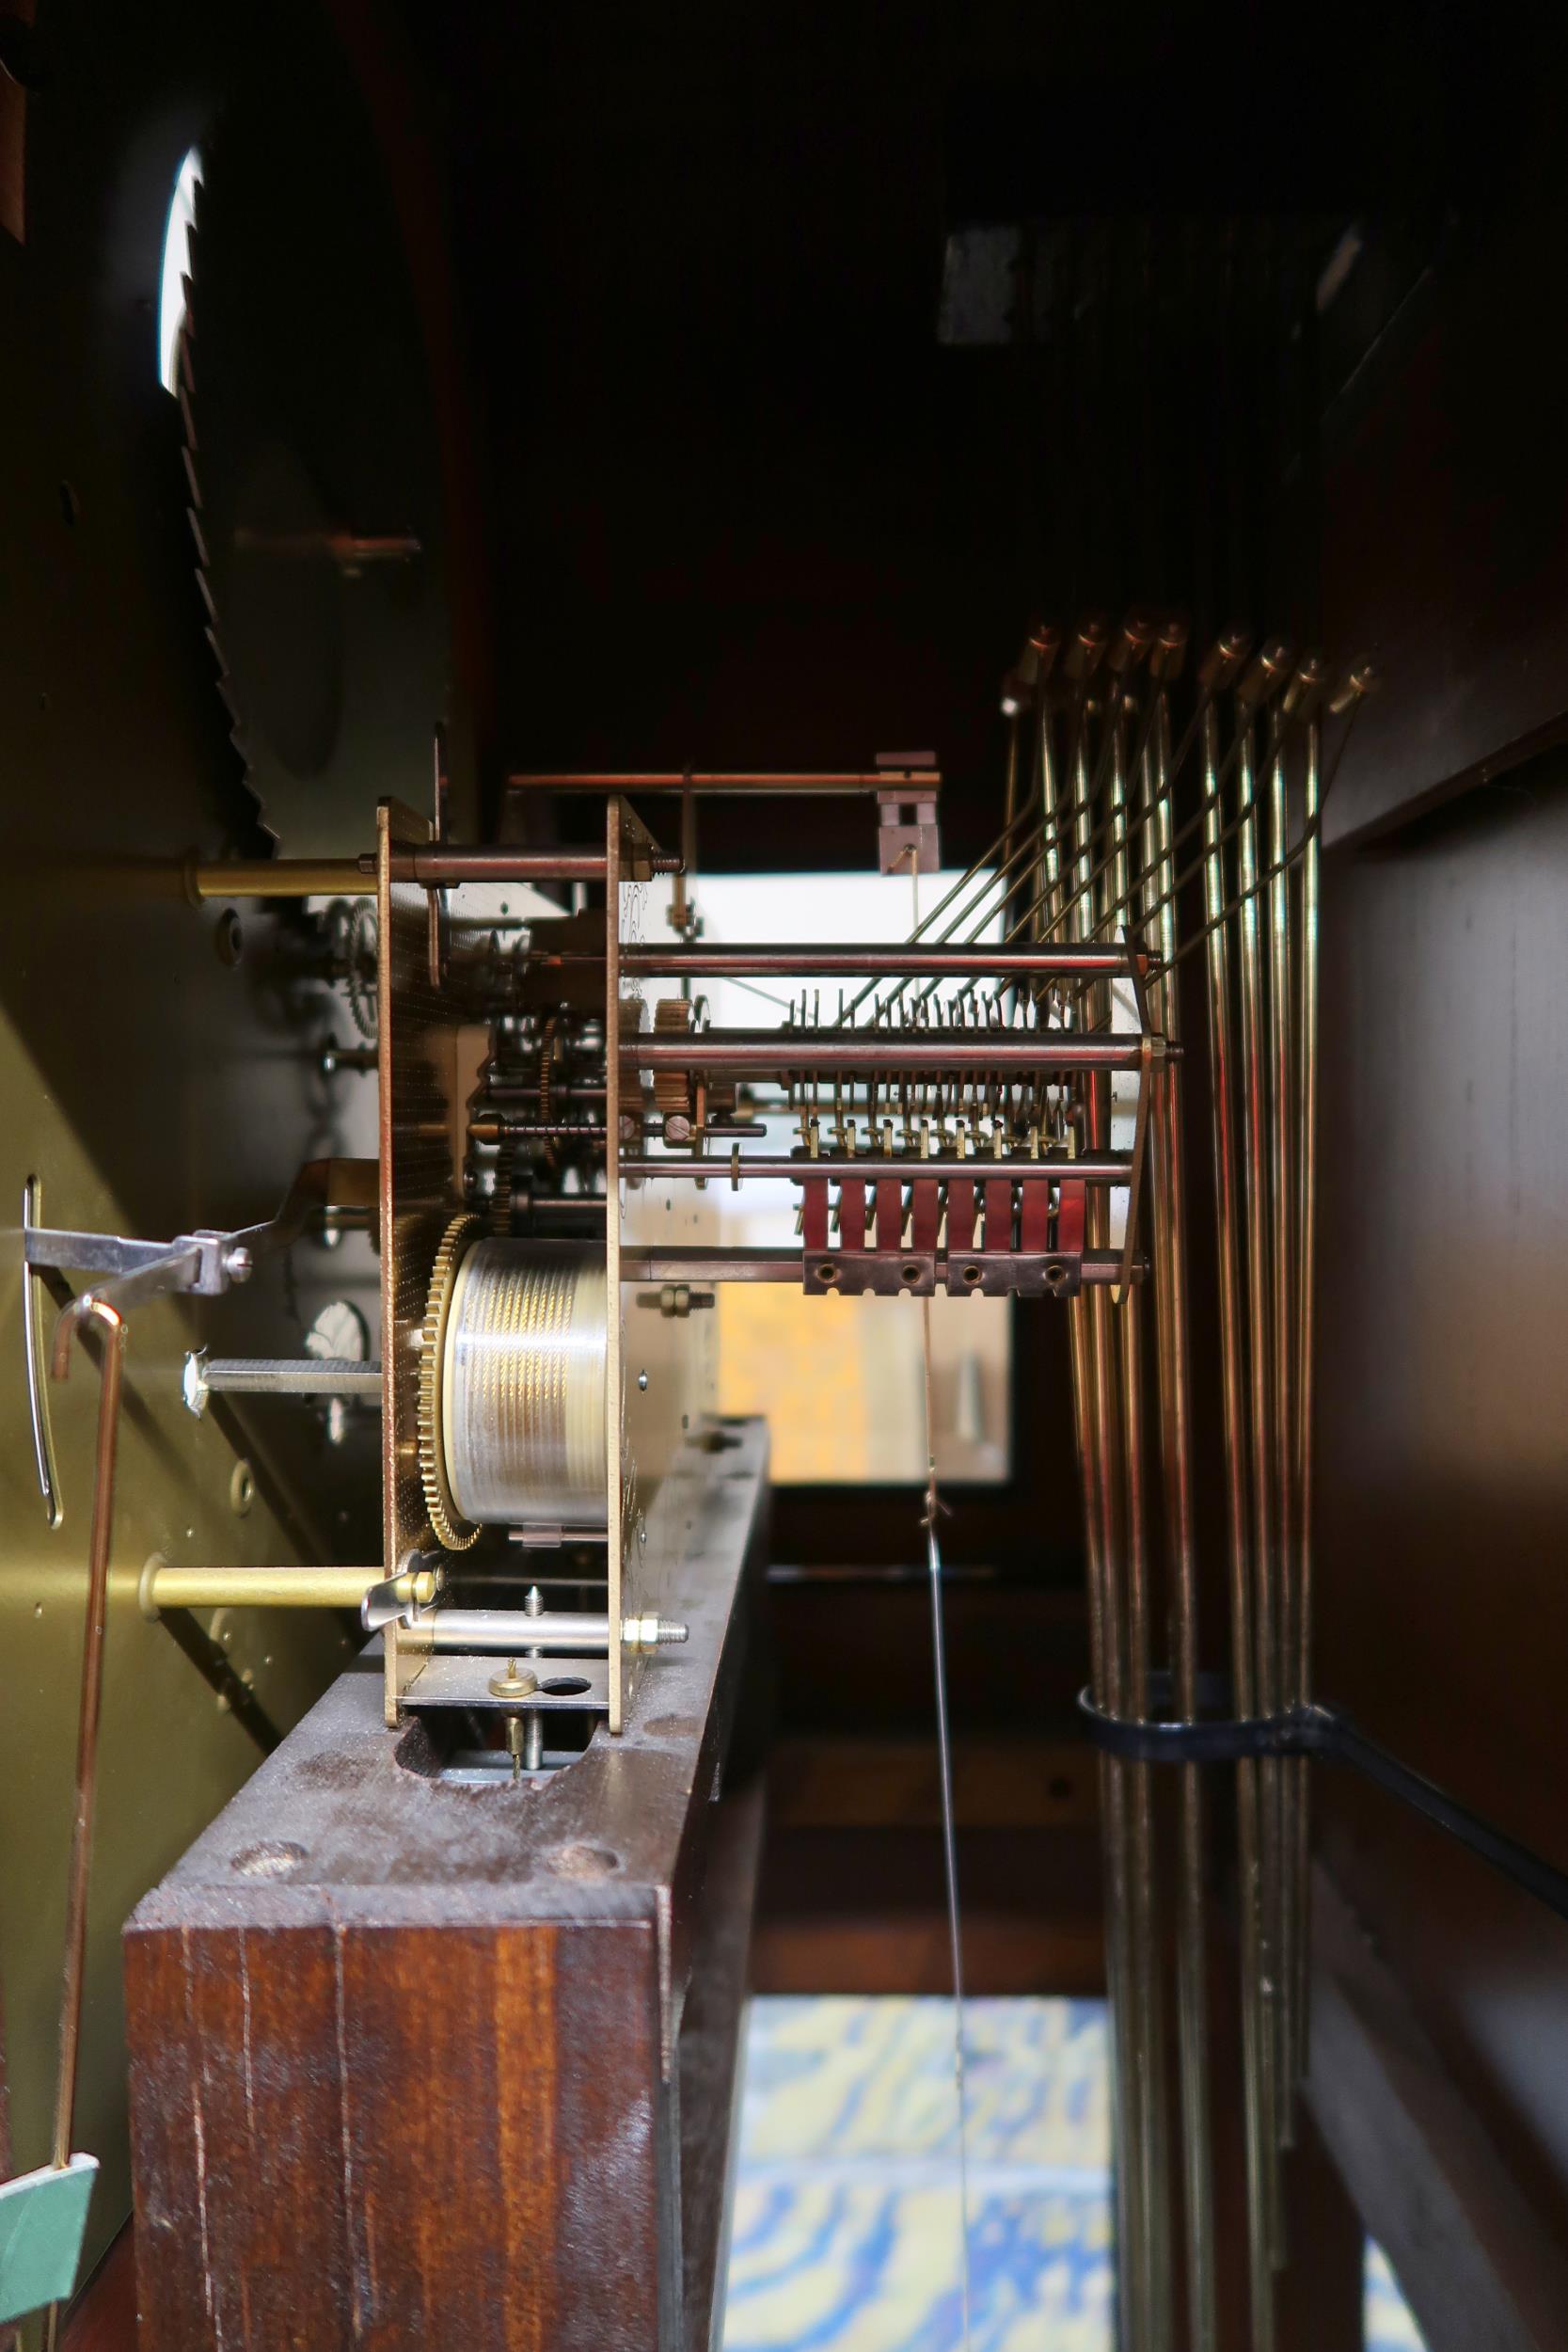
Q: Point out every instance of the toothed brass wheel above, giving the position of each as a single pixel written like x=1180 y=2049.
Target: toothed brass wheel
x=453 y=1530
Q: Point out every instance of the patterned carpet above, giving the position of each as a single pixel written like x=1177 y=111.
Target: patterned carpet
x=845 y=2228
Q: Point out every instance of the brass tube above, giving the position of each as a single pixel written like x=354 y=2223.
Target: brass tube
x=1127 y=1323
x=1096 y=1422
x=1265 y=1565
x=1047 y=865
x=279 y=877
x=166 y=1585
x=1306 y=1174
x=1282 y=1112
x=1168 y=1250
x=1244 y=1677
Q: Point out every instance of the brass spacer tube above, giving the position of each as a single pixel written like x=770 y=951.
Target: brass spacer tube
x=277 y=878
x=165 y=1586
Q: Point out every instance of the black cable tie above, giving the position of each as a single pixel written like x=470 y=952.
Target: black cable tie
x=1316 y=1730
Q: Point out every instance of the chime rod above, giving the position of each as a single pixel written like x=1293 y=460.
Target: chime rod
x=1357 y=686
x=1096 y=1430
x=1149 y=2018
x=1302 y=695
x=1218 y=669
x=1265 y=1564
x=1306 y=1171
x=1232 y=1371
x=1168 y=1253
x=1281 y=1210
x=1060 y=830
x=1311 y=833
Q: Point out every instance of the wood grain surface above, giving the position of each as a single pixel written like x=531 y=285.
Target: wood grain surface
x=407 y=2061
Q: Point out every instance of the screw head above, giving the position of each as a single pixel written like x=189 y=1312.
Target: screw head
x=192 y=1382
x=238 y=1264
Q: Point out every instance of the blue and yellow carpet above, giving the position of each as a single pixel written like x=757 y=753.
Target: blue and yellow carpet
x=845 y=2225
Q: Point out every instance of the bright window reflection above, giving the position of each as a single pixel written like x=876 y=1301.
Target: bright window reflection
x=841 y=1380
x=176 y=267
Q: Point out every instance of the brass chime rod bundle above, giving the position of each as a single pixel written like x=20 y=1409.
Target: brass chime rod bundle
x=1111 y=668
x=1090 y=851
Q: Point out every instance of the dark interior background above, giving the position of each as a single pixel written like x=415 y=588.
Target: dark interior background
x=742 y=504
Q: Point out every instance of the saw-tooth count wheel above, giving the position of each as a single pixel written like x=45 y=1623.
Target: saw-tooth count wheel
x=453 y=1530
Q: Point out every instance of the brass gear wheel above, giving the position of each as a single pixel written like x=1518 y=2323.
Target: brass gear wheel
x=672 y=1017
x=453 y=1530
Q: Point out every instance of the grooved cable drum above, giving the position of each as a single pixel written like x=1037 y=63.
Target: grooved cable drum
x=523 y=1385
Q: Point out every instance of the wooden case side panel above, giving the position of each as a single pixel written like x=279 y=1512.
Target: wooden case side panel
x=235 y=2116
x=389 y=2137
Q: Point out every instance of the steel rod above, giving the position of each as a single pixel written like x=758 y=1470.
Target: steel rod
x=1111 y=1168
x=448 y=867
x=1095 y=959
x=802 y=1052
x=921 y=779
x=683 y=1262
x=290 y=1376
x=512 y=1633
x=439 y=867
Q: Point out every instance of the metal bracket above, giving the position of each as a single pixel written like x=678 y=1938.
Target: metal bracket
x=38 y=1369
x=203 y=1263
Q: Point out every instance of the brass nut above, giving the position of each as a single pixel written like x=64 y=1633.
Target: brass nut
x=513 y=1684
